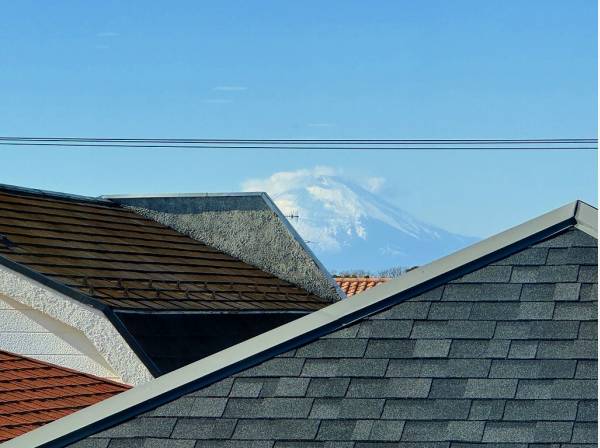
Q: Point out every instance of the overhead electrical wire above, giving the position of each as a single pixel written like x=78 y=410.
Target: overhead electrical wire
x=309 y=148
x=303 y=141
x=563 y=144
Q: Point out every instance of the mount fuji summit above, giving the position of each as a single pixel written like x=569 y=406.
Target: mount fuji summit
x=349 y=227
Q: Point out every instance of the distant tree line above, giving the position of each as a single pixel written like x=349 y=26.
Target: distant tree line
x=393 y=272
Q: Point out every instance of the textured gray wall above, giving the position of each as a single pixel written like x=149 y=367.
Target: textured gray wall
x=505 y=356
x=241 y=226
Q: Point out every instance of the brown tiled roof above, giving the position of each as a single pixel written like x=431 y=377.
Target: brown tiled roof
x=127 y=261
x=356 y=285
x=33 y=393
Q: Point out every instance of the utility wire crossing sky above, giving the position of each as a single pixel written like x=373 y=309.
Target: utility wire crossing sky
x=572 y=144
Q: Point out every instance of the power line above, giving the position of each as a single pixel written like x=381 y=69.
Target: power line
x=302 y=141
x=308 y=148
x=562 y=144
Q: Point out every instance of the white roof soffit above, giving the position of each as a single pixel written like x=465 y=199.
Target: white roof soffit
x=222 y=364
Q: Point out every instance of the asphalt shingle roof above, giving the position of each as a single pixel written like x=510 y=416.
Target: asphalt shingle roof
x=126 y=261
x=33 y=393
x=505 y=354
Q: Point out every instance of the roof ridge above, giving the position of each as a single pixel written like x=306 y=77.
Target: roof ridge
x=181 y=195
x=26 y=191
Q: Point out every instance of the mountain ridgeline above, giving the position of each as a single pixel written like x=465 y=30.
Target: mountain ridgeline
x=351 y=228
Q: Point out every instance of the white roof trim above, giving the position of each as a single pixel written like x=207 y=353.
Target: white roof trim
x=587 y=219
x=576 y=213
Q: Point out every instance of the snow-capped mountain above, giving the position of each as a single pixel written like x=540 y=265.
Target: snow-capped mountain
x=349 y=226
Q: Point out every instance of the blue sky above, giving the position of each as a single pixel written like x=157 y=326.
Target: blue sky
x=310 y=69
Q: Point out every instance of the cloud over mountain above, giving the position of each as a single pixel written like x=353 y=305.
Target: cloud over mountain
x=349 y=225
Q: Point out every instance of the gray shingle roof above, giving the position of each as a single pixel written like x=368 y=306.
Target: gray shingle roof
x=460 y=367
x=503 y=353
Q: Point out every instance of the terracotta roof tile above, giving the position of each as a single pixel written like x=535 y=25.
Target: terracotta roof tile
x=33 y=393
x=127 y=261
x=356 y=285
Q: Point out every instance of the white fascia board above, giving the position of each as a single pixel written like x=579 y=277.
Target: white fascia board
x=127 y=404
x=587 y=219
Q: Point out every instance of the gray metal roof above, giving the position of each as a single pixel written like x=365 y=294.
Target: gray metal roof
x=465 y=341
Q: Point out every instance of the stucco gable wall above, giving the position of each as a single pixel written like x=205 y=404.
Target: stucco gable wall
x=98 y=331
x=505 y=354
x=31 y=333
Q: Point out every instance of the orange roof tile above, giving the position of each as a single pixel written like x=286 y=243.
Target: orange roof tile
x=33 y=393
x=356 y=285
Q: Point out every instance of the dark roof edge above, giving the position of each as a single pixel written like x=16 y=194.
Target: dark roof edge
x=53 y=284
x=88 y=301
x=55 y=195
x=211 y=312
x=179 y=195
x=215 y=367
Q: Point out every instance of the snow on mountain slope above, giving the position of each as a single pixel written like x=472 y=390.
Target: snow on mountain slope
x=349 y=226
